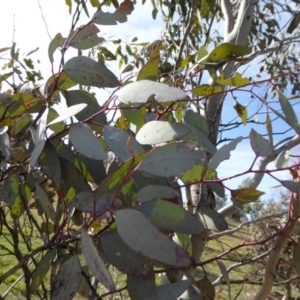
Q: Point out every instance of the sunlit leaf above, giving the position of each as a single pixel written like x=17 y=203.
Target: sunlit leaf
x=37 y=151
x=134 y=116
x=87 y=71
x=142 y=236
x=259 y=145
x=246 y=195
x=195 y=174
x=141 y=91
x=241 y=111
x=94 y=261
x=67 y=279
x=282 y=159
x=84 y=141
x=235 y=80
x=269 y=128
x=5 y=146
x=206 y=90
x=40 y=130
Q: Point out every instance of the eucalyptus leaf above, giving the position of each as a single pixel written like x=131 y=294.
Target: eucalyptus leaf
x=212 y=219
x=282 y=159
x=152 y=192
x=45 y=202
x=260 y=146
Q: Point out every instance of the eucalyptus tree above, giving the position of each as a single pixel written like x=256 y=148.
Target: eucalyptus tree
x=101 y=183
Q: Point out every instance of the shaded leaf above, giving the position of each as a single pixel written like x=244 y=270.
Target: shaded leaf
x=121 y=143
x=217 y=188
x=68 y=113
x=211 y=219
x=40 y=130
x=42 y=269
x=269 y=129
x=292 y=186
x=241 y=111
x=246 y=195
x=138 y=288
x=282 y=159
x=87 y=71
x=94 y=261
x=68 y=279
x=169 y=216
x=206 y=288
x=141 y=91
x=296 y=256
x=225 y=276
x=294 y=23
x=84 y=141
x=11 y=188
x=223 y=153
x=57 y=42
x=196 y=120
x=185 y=242
x=140 y=235
x=260 y=146
x=5 y=146
x=206 y=90
x=45 y=202
x=152 y=192
x=167 y=160
x=36 y=153
x=156 y=132
x=168 y=291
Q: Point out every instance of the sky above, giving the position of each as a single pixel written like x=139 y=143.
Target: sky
x=22 y=22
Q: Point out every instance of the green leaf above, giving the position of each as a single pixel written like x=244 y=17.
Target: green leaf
x=269 y=129
x=123 y=257
x=21 y=201
x=67 y=279
x=57 y=127
x=22 y=124
x=138 y=288
x=206 y=90
x=185 y=242
x=223 y=153
x=202 y=52
x=225 y=275
x=86 y=71
x=289 y=112
x=142 y=236
x=206 y=288
x=84 y=141
x=86 y=202
x=68 y=113
x=241 y=111
x=40 y=130
x=168 y=291
x=94 y=261
x=246 y=195
x=11 y=188
x=45 y=202
x=167 y=160
x=156 y=132
x=150 y=69
x=142 y=91
x=282 y=159
x=292 y=186
x=119 y=16
x=42 y=269
x=85 y=38
x=69 y=3
x=227 y=51
x=75 y=97
x=57 y=42
x=134 y=116
x=296 y=256
x=169 y=216
x=235 y=80
x=121 y=143
x=294 y=23
x=152 y=192
x=5 y=146
x=37 y=151
x=211 y=219
x=196 y=120
x=259 y=145
x=53 y=163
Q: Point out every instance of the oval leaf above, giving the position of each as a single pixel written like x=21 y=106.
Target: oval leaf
x=67 y=280
x=142 y=236
x=152 y=192
x=142 y=91
x=260 y=146
x=156 y=132
x=206 y=90
x=282 y=159
x=84 y=141
x=87 y=71
x=94 y=261
x=212 y=219
x=246 y=195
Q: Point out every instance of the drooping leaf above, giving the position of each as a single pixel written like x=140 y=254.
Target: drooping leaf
x=282 y=159
x=150 y=69
x=67 y=279
x=68 y=113
x=168 y=291
x=84 y=141
x=123 y=257
x=38 y=149
x=292 y=186
x=87 y=71
x=167 y=160
x=57 y=42
x=22 y=124
x=227 y=51
x=225 y=276
x=121 y=143
x=152 y=192
x=40 y=130
x=269 y=129
x=119 y=16
x=296 y=257
x=53 y=163
x=246 y=195
x=142 y=91
x=217 y=188
x=74 y=97
x=206 y=90
x=241 y=111
x=206 y=288
x=294 y=23
x=202 y=52
x=211 y=219
x=85 y=38
x=169 y=216
x=235 y=80
x=5 y=146
x=142 y=236
x=42 y=269
x=94 y=261
x=11 y=188
x=223 y=153
x=69 y=4
x=156 y=132
x=289 y=112
x=86 y=202
x=259 y=145
x=45 y=202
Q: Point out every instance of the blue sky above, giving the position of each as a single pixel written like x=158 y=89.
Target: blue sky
x=22 y=19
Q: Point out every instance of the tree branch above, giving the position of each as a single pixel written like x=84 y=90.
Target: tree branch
x=228 y=16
